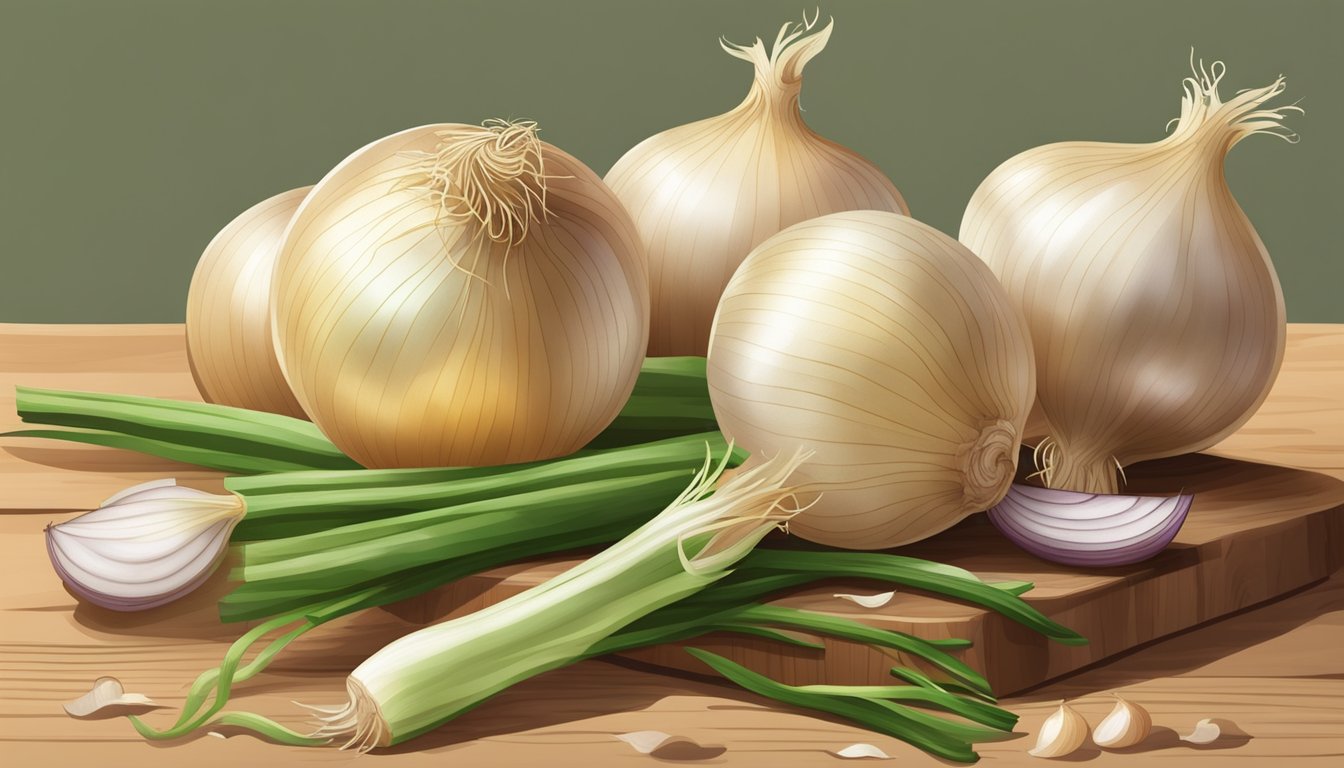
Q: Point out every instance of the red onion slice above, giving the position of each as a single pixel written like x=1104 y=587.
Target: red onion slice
x=1087 y=529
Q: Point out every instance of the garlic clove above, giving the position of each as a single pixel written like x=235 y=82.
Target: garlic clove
x=1210 y=730
x=1206 y=732
x=868 y=601
x=146 y=546
x=1061 y=734
x=1127 y=724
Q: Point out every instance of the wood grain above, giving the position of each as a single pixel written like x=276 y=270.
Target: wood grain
x=1275 y=670
x=126 y=359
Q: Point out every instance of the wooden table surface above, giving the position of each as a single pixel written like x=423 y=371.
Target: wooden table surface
x=1276 y=670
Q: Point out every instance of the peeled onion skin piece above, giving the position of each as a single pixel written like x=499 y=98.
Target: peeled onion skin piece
x=229 y=347
x=1157 y=316
x=888 y=350
x=704 y=194
x=1089 y=530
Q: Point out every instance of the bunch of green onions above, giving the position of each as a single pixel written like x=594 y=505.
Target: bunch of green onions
x=637 y=593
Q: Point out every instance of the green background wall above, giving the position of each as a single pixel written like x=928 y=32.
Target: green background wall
x=130 y=131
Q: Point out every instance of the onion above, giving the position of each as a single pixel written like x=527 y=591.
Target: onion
x=229 y=344
x=704 y=194
x=889 y=351
x=461 y=295
x=1156 y=314
x=1087 y=529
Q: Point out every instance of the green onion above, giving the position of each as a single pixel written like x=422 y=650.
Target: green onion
x=320 y=509
x=718 y=607
x=779 y=569
x=435 y=674
x=670 y=398
x=665 y=625
x=148 y=423
x=468 y=525
x=869 y=706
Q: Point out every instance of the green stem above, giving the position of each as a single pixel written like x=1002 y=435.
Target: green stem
x=670 y=398
x=306 y=512
x=895 y=721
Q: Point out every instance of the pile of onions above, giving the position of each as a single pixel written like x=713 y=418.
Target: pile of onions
x=229 y=312
x=1157 y=318
x=461 y=295
x=890 y=352
x=704 y=194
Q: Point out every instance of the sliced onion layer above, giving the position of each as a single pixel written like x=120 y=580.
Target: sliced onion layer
x=1088 y=529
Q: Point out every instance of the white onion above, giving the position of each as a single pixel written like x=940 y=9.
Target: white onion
x=229 y=345
x=461 y=295
x=890 y=351
x=1157 y=318
x=704 y=194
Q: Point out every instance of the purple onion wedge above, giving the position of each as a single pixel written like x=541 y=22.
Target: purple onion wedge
x=1087 y=529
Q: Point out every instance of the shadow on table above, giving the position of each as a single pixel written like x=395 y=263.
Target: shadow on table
x=77 y=458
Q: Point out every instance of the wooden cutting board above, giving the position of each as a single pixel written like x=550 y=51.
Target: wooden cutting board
x=1255 y=532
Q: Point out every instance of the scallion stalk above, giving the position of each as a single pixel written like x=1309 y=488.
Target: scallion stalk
x=306 y=512
x=433 y=675
x=869 y=706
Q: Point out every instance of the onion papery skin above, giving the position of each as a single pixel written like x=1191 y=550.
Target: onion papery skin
x=704 y=194
x=1089 y=530
x=888 y=350
x=229 y=347
x=415 y=334
x=1157 y=317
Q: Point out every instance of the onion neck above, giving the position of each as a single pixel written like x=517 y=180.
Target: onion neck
x=776 y=104
x=779 y=69
x=1207 y=122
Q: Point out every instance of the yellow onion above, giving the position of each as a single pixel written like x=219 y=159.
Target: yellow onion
x=229 y=311
x=461 y=295
x=704 y=194
x=889 y=351
x=1157 y=318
